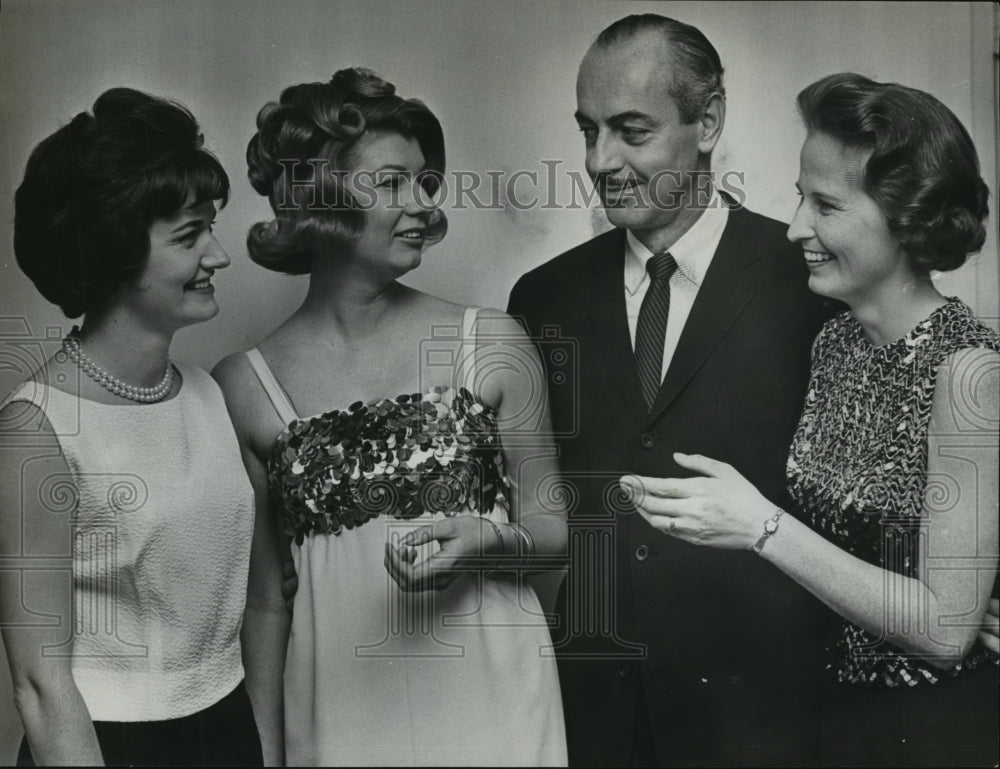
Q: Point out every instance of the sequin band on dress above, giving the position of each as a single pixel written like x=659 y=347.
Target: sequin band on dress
x=439 y=452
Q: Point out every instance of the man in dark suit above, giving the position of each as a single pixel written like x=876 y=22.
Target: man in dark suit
x=672 y=653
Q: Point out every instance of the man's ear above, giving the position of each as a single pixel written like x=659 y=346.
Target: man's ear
x=710 y=123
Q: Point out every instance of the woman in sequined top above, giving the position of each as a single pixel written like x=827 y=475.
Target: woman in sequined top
x=400 y=449
x=894 y=463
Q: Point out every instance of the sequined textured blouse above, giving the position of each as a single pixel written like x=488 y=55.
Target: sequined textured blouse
x=858 y=464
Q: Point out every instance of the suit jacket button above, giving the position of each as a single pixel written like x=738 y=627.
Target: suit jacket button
x=623 y=671
x=735 y=680
x=641 y=553
x=647 y=440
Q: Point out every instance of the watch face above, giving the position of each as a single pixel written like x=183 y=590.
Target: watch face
x=770 y=526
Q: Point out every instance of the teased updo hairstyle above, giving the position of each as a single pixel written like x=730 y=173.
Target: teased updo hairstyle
x=923 y=171
x=302 y=150
x=93 y=189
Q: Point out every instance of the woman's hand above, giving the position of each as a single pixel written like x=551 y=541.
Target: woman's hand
x=467 y=544
x=721 y=509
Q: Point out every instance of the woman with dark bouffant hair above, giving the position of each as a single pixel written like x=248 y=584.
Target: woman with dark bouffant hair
x=893 y=467
x=121 y=485
x=399 y=446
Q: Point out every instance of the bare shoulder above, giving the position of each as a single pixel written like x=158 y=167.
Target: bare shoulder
x=251 y=411
x=29 y=452
x=432 y=307
x=498 y=326
x=508 y=362
x=967 y=391
x=57 y=371
x=234 y=375
x=22 y=419
x=22 y=422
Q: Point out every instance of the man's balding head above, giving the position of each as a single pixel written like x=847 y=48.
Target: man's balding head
x=695 y=71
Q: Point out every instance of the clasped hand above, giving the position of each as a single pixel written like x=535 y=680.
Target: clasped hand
x=720 y=508
x=465 y=540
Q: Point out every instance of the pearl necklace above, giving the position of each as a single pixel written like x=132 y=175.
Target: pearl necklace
x=71 y=346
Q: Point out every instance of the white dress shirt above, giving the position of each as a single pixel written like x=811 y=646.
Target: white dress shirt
x=693 y=252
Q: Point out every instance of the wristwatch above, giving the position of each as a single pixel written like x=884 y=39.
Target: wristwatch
x=770 y=526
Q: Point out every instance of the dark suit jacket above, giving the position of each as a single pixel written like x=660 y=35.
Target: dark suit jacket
x=721 y=648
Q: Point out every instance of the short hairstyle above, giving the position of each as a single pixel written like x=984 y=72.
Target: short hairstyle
x=92 y=190
x=697 y=70
x=301 y=151
x=923 y=171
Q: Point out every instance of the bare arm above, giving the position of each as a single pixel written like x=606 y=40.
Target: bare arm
x=936 y=615
x=521 y=395
x=265 y=620
x=56 y=721
x=513 y=384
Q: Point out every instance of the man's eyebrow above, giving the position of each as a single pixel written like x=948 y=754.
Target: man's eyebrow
x=619 y=118
x=624 y=117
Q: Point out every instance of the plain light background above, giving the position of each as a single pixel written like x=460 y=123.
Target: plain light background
x=499 y=75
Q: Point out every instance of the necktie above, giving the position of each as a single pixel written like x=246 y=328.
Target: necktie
x=651 y=329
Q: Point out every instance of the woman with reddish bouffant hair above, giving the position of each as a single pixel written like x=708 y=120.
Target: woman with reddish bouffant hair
x=400 y=449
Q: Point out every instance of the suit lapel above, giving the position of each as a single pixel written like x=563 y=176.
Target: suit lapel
x=609 y=321
x=728 y=286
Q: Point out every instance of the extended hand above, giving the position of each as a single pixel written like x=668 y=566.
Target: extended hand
x=464 y=540
x=721 y=509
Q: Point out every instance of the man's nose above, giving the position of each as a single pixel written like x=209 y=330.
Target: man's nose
x=605 y=155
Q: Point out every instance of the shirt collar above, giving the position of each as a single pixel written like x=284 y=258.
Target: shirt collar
x=693 y=250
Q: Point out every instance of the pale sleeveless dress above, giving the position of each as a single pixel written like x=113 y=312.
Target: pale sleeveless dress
x=377 y=676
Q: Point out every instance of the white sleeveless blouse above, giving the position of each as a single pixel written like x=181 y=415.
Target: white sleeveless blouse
x=162 y=517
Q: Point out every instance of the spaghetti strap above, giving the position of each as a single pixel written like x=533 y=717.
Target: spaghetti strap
x=280 y=401
x=468 y=351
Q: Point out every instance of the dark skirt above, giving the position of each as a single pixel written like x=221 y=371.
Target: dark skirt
x=955 y=722
x=224 y=734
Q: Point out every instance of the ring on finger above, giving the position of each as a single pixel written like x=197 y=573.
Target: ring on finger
x=671 y=525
